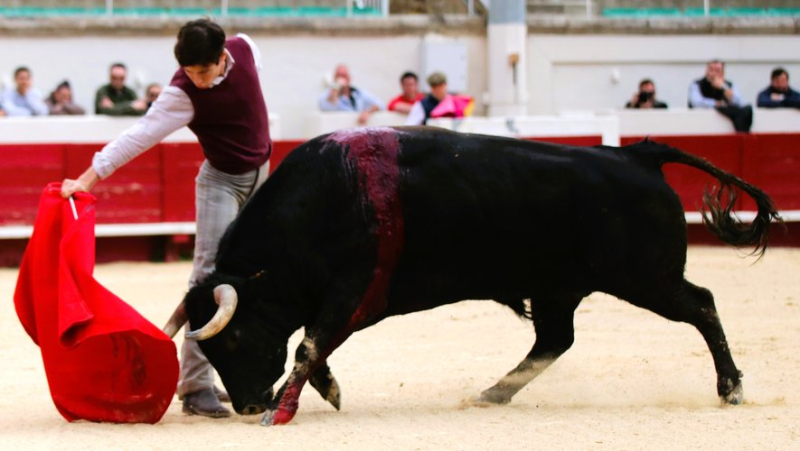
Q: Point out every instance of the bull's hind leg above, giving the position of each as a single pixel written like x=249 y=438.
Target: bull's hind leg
x=691 y=304
x=555 y=333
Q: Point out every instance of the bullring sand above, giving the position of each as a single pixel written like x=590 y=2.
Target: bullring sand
x=632 y=380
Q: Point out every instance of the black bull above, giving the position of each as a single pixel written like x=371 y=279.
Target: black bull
x=360 y=225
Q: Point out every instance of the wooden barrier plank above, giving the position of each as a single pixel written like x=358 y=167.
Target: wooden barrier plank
x=131 y=195
x=724 y=151
x=180 y=163
x=25 y=171
x=280 y=149
x=772 y=162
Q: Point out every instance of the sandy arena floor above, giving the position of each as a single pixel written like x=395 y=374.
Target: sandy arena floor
x=631 y=381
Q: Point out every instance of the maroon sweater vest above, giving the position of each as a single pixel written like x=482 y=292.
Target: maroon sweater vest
x=230 y=119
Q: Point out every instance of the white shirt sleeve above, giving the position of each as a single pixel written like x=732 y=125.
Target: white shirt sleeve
x=417 y=114
x=696 y=99
x=172 y=110
x=256 y=52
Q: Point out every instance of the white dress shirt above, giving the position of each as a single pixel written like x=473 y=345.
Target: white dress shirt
x=172 y=110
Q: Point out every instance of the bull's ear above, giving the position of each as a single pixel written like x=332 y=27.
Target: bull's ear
x=227 y=299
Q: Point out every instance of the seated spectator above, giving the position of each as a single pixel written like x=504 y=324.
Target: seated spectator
x=342 y=96
x=645 y=98
x=23 y=99
x=439 y=103
x=778 y=94
x=60 y=101
x=713 y=90
x=116 y=99
x=409 y=83
x=151 y=94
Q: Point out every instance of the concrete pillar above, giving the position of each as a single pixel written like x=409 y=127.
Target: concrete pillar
x=507 y=57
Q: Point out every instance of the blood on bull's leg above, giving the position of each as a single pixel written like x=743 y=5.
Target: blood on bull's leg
x=331 y=330
x=553 y=321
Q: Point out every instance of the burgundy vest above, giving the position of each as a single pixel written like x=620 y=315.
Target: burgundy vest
x=230 y=119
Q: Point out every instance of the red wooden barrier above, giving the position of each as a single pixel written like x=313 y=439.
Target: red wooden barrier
x=158 y=186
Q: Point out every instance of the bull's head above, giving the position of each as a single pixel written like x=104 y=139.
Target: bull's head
x=236 y=337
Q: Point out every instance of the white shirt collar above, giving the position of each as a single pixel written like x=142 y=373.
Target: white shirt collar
x=229 y=62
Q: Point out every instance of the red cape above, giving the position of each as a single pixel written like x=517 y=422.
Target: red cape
x=104 y=361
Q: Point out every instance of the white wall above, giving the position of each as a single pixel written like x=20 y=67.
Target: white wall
x=594 y=72
x=294 y=66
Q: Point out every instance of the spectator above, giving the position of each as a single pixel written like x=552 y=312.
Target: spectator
x=713 y=90
x=116 y=99
x=151 y=93
x=342 y=96
x=645 y=98
x=409 y=83
x=439 y=103
x=779 y=94
x=217 y=94
x=24 y=99
x=60 y=101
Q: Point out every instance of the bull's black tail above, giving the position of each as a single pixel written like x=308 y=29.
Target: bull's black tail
x=718 y=203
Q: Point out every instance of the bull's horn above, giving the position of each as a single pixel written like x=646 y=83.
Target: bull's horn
x=226 y=298
x=176 y=321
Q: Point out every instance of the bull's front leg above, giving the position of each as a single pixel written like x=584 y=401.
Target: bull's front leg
x=309 y=365
x=323 y=381
x=330 y=330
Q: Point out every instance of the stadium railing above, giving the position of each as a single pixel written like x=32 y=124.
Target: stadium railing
x=643 y=13
x=351 y=10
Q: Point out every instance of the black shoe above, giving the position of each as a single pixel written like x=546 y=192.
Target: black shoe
x=222 y=395
x=205 y=403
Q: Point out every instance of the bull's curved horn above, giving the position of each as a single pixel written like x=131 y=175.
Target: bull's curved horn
x=226 y=298
x=176 y=321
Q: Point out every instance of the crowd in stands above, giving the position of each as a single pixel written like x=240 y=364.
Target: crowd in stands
x=714 y=91
x=710 y=91
x=341 y=95
x=117 y=99
x=113 y=99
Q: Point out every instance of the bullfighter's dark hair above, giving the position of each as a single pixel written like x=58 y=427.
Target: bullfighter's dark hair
x=408 y=75
x=200 y=42
x=777 y=72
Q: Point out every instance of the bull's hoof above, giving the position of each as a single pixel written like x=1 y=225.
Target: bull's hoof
x=276 y=417
x=735 y=397
x=268 y=418
x=334 y=396
x=493 y=396
x=328 y=388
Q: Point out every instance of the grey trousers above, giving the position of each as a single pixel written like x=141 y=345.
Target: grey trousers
x=219 y=197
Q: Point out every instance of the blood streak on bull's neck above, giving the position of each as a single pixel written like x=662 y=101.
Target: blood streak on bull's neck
x=374 y=152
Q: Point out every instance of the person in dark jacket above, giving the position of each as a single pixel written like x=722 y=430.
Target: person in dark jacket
x=116 y=99
x=779 y=94
x=645 y=98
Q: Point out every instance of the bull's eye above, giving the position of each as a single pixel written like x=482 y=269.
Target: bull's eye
x=233 y=340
